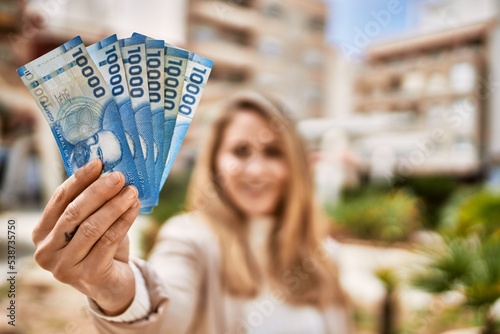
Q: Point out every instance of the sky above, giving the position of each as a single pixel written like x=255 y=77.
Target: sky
x=349 y=19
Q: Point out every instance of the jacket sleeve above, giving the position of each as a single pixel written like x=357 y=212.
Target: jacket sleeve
x=173 y=277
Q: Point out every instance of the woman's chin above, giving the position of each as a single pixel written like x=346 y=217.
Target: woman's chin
x=258 y=211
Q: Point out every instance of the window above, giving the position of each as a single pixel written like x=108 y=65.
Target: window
x=204 y=33
x=437 y=83
x=436 y=116
x=464 y=115
x=312 y=94
x=242 y=3
x=235 y=37
x=233 y=76
x=316 y=23
x=462 y=77
x=313 y=58
x=273 y=10
x=271 y=47
x=268 y=79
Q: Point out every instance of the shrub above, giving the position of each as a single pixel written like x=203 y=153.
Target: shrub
x=469 y=266
x=467 y=261
x=434 y=191
x=388 y=217
x=472 y=212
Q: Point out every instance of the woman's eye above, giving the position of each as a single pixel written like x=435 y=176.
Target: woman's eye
x=241 y=151
x=273 y=152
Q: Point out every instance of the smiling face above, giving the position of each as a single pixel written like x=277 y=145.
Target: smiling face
x=251 y=161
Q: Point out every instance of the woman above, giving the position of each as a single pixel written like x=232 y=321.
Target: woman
x=250 y=257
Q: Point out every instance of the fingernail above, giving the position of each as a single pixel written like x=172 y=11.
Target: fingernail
x=87 y=168
x=130 y=192
x=113 y=178
x=91 y=165
x=137 y=204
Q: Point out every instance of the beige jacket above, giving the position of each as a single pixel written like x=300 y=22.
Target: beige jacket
x=183 y=280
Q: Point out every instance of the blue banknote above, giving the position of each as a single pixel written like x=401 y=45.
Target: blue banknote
x=78 y=105
x=196 y=77
x=155 y=63
x=106 y=55
x=176 y=60
x=133 y=51
x=155 y=55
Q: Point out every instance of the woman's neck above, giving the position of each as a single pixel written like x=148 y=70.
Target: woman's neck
x=259 y=227
x=258 y=233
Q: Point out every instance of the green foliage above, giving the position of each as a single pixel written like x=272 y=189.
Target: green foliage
x=448 y=268
x=482 y=285
x=472 y=212
x=449 y=212
x=375 y=215
x=388 y=277
x=440 y=320
x=467 y=266
x=434 y=191
x=468 y=259
x=480 y=215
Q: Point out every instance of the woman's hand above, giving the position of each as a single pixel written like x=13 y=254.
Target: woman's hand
x=81 y=237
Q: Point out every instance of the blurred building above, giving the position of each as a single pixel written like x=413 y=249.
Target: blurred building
x=494 y=106
x=425 y=102
x=10 y=12
x=430 y=16
x=275 y=46
x=53 y=22
x=438 y=86
x=29 y=169
x=10 y=25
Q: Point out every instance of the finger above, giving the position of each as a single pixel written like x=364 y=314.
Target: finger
x=64 y=194
x=83 y=206
x=105 y=249
x=122 y=253
x=99 y=225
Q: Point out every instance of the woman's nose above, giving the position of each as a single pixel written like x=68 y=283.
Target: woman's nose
x=255 y=166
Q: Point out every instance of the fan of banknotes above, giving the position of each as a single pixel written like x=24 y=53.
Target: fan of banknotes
x=126 y=101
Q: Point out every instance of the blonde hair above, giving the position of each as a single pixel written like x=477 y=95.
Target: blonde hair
x=297 y=239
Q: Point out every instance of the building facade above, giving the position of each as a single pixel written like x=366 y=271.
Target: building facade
x=274 y=46
x=438 y=86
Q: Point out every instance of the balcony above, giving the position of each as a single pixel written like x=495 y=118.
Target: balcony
x=226 y=15
x=227 y=55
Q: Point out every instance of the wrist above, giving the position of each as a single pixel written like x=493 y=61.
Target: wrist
x=117 y=295
x=140 y=307
x=116 y=306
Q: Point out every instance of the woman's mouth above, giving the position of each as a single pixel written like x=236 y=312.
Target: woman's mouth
x=255 y=189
